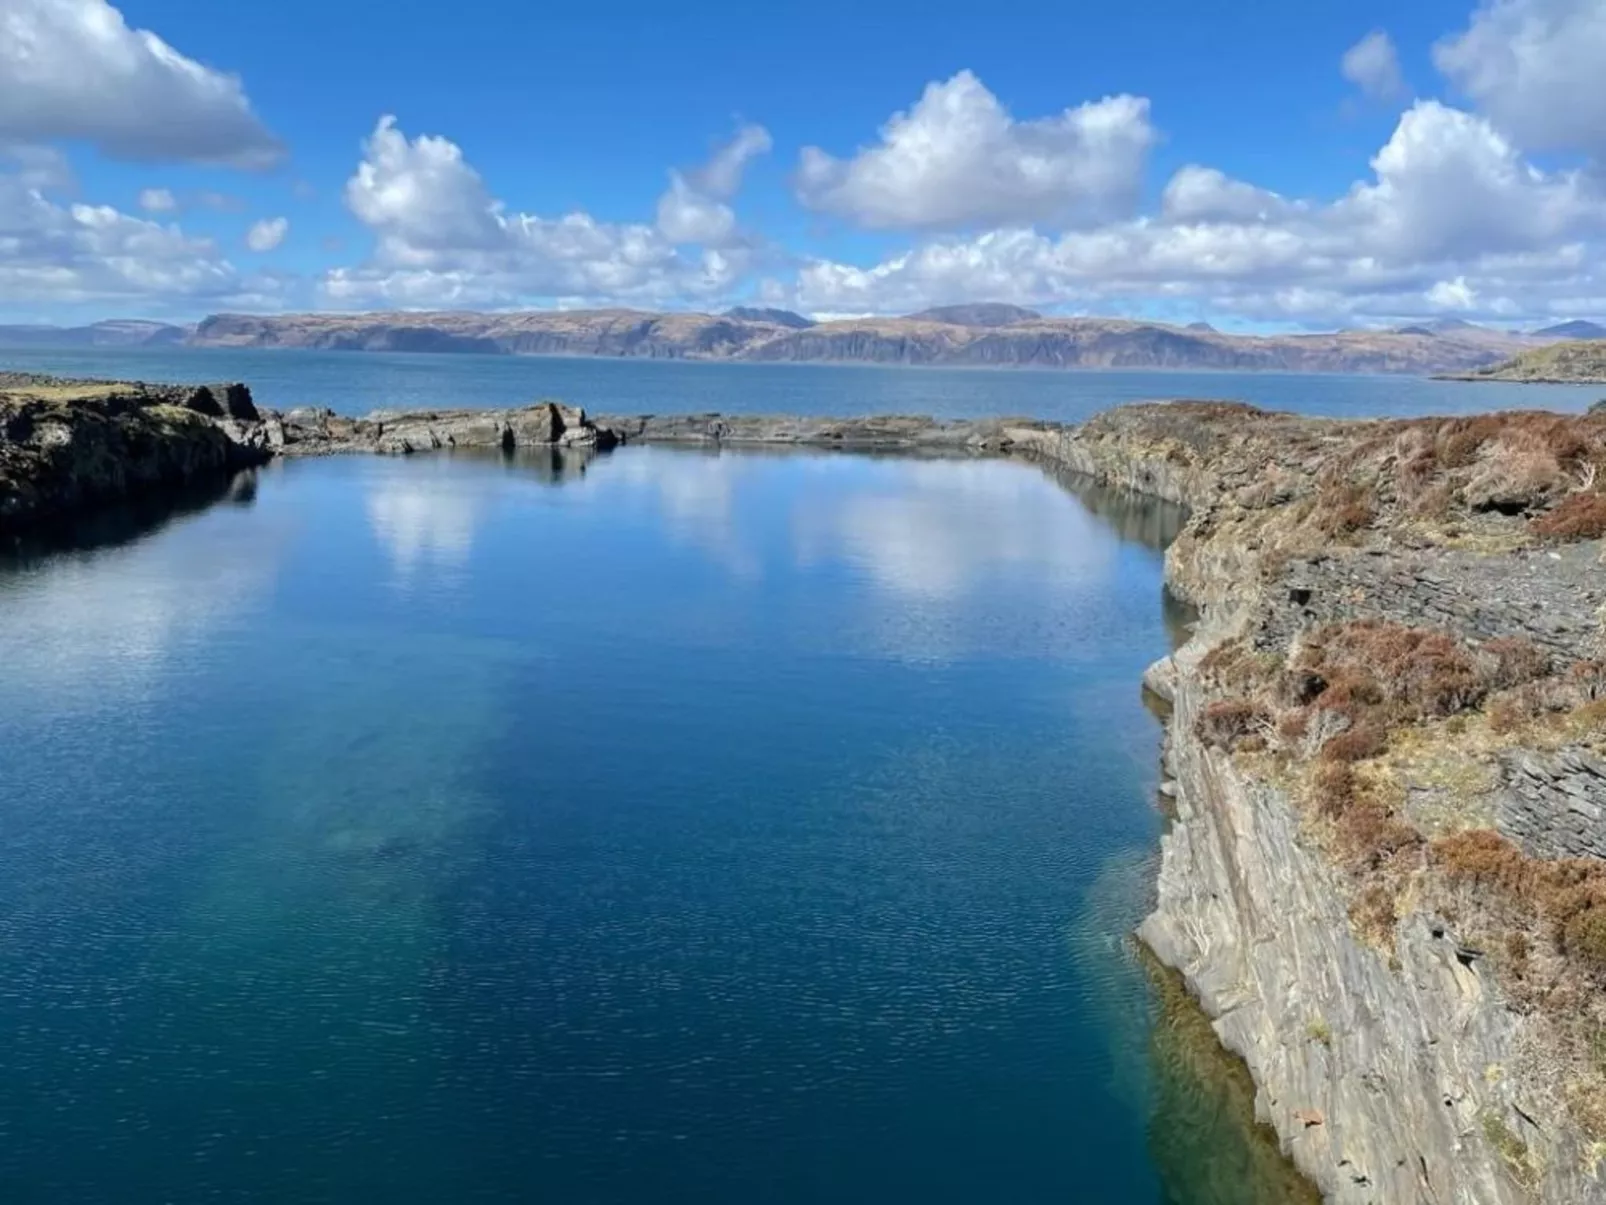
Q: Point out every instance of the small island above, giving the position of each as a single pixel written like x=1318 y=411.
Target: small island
x=1575 y=362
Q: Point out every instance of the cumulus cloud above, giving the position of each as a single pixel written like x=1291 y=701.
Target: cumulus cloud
x=157 y=200
x=1453 y=218
x=1373 y=66
x=1203 y=194
x=267 y=234
x=441 y=238
x=1450 y=187
x=74 y=69
x=957 y=159
x=694 y=208
x=1534 y=67
x=66 y=254
x=41 y=167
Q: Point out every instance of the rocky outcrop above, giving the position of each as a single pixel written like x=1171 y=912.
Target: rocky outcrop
x=316 y=431
x=1392 y=1057
x=549 y=424
x=1385 y=1072
x=1553 y=804
x=69 y=446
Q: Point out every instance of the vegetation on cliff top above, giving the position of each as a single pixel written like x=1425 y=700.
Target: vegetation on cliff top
x=1581 y=361
x=1391 y=733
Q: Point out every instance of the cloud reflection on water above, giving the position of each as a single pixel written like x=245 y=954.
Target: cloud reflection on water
x=935 y=530
x=424 y=518
x=102 y=622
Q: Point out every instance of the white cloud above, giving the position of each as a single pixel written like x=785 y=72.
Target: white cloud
x=267 y=234
x=1450 y=200
x=57 y=253
x=1373 y=66
x=442 y=239
x=958 y=159
x=41 y=167
x=73 y=69
x=157 y=200
x=1453 y=295
x=1535 y=68
x=693 y=210
x=1203 y=194
x=1449 y=186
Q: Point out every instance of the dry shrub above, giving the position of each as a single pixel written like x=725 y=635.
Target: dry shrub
x=1373 y=834
x=1515 y=661
x=1416 y=461
x=1580 y=691
x=1435 y=502
x=1372 y=913
x=1513 y=477
x=1484 y=859
x=1511 y=463
x=1343 y=509
x=1226 y=722
x=1369 y=833
x=1509 y=713
x=1579 y=516
x=1566 y=896
x=1359 y=743
x=1408 y=673
x=1335 y=787
x=1238 y=665
x=1458 y=440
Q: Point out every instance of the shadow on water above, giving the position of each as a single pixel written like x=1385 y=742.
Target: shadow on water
x=548 y=466
x=134 y=518
x=1207 y=1146
x=1140 y=518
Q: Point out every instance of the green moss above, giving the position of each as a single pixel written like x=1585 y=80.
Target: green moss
x=1510 y=1147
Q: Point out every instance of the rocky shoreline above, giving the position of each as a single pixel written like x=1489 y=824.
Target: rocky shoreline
x=67 y=447
x=1386 y=750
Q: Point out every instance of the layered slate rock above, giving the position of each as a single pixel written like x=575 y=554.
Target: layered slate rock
x=1383 y=877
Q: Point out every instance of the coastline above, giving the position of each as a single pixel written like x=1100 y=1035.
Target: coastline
x=1400 y=1048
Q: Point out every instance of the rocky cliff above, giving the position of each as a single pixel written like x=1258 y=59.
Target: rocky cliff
x=1383 y=750
x=67 y=446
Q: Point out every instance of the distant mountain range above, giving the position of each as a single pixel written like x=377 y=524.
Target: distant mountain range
x=974 y=335
x=982 y=334
x=1573 y=330
x=115 y=332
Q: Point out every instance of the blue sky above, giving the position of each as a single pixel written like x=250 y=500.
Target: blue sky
x=1259 y=165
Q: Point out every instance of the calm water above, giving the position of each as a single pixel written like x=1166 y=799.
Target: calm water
x=355 y=383
x=668 y=828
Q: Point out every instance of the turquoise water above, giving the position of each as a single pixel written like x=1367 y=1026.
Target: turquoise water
x=357 y=382
x=664 y=827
